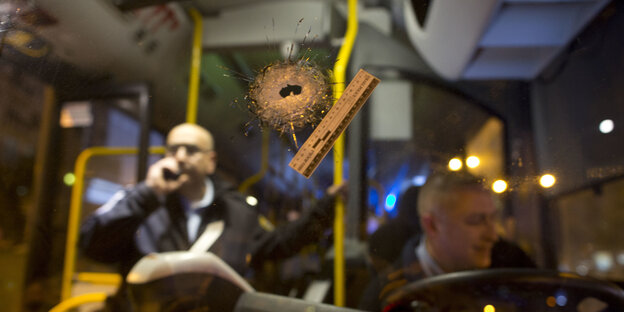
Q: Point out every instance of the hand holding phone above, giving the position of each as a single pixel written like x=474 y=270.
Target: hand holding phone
x=169 y=175
x=165 y=176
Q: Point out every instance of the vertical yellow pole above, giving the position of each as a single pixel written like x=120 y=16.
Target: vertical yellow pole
x=339 y=79
x=73 y=223
x=191 y=107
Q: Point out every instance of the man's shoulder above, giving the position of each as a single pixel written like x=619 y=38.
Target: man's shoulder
x=401 y=273
x=235 y=204
x=233 y=201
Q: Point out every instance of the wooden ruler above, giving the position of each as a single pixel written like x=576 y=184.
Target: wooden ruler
x=334 y=123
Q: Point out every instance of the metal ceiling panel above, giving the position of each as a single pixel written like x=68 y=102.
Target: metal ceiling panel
x=267 y=23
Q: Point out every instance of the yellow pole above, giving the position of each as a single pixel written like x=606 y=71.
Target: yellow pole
x=191 y=106
x=75 y=208
x=339 y=79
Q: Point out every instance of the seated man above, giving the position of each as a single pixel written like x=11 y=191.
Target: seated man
x=180 y=197
x=458 y=217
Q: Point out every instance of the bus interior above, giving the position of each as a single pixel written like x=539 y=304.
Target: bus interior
x=515 y=91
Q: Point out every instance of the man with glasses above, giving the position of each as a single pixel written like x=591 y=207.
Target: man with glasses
x=179 y=199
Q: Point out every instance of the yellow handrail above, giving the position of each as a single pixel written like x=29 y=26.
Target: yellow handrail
x=78 y=300
x=75 y=207
x=99 y=278
x=191 y=106
x=339 y=79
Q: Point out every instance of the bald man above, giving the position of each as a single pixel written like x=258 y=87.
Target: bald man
x=179 y=198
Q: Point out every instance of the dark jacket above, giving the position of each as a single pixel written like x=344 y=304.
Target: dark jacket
x=138 y=224
x=406 y=269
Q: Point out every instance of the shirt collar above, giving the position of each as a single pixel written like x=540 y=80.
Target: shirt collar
x=207 y=199
x=429 y=265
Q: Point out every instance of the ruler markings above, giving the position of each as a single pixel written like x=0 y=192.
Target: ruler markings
x=334 y=123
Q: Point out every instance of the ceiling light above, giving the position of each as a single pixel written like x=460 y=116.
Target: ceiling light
x=455 y=164
x=547 y=180
x=473 y=162
x=499 y=186
x=606 y=126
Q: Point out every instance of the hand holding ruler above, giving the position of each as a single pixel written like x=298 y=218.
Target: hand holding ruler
x=334 y=123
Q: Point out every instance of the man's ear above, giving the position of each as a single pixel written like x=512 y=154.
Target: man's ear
x=212 y=162
x=429 y=224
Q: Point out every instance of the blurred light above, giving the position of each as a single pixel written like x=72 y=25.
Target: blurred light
x=489 y=308
x=620 y=258
x=419 y=180
x=551 y=301
x=603 y=260
x=390 y=202
x=76 y=114
x=69 y=179
x=547 y=180
x=561 y=300
x=252 y=201
x=455 y=164
x=499 y=186
x=606 y=126
x=582 y=269
x=371 y=225
x=473 y=162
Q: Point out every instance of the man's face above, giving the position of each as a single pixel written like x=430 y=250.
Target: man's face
x=465 y=230
x=192 y=148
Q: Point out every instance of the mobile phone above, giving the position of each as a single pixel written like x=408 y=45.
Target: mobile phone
x=170 y=175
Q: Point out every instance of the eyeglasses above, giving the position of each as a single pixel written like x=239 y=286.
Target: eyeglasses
x=189 y=148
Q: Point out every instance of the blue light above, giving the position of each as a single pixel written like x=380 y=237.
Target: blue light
x=561 y=300
x=390 y=202
x=419 y=180
x=375 y=202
